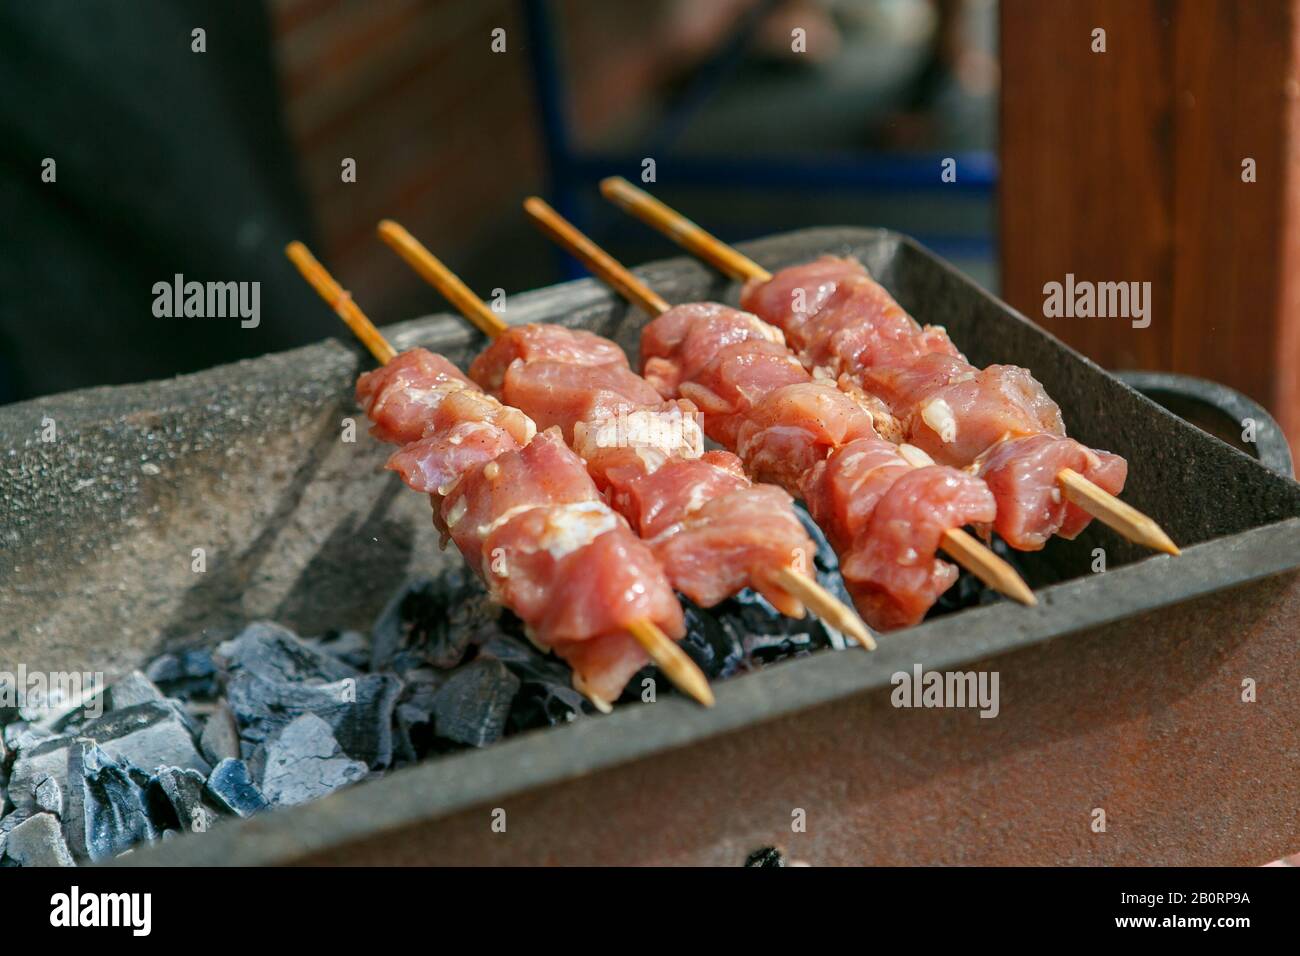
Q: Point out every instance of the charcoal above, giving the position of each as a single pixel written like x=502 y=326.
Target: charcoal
x=37 y=841
x=220 y=737
x=546 y=696
x=393 y=628
x=351 y=647
x=764 y=634
x=762 y=649
x=275 y=653
x=188 y=674
x=414 y=728
x=36 y=762
x=358 y=710
x=13 y=819
x=108 y=808
x=7 y=823
x=409 y=659
x=132 y=689
x=716 y=649
x=178 y=796
x=149 y=735
x=231 y=788
x=766 y=857
x=473 y=705
x=21 y=735
x=305 y=762
x=435 y=618
x=414 y=712
x=49 y=796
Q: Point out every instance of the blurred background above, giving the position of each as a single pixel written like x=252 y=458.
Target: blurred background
x=1116 y=165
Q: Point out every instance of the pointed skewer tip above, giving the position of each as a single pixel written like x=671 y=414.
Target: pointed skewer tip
x=1116 y=514
x=826 y=605
x=980 y=561
x=673 y=661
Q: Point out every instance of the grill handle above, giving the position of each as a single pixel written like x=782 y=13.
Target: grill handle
x=1219 y=410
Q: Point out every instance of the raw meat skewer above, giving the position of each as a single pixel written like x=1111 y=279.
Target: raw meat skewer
x=1025 y=504
x=819 y=443
x=539 y=399
x=524 y=513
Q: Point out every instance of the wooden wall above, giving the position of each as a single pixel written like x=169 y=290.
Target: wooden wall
x=1127 y=166
x=444 y=131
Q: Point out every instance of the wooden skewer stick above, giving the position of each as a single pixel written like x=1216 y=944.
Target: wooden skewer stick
x=681 y=230
x=681 y=670
x=1101 y=504
x=827 y=606
x=433 y=271
x=972 y=555
x=600 y=703
x=672 y=660
x=1111 y=511
x=961 y=547
x=667 y=653
x=340 y=301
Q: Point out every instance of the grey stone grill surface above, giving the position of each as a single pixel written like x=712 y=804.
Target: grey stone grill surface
x=100 y=529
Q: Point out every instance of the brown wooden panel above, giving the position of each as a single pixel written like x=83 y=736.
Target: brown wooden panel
x=1126 y=166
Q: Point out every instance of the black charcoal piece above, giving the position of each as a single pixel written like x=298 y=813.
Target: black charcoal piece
x=21 y=735
x=178 y=796
x=108 y=809
x=220 y=737
x=717 y=650
x=359 y=711
x=49 y=796
x=473 y=705
x=275 y=653
x=768 y=648
x=187 y=674
x=13 y=819
x=765 y=635
x=351 y=647
x=134 y=688
x=414 y=728
x=37 y=841
x=231 y=788
x=546 y=696
x=42 y=759
x=148 y=735
x=396 y=623
x=765 y=857
x=304 y=762
x=431 y=620
x=413 y=715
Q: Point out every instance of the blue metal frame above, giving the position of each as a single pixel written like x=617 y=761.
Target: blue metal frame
x=570 y=170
